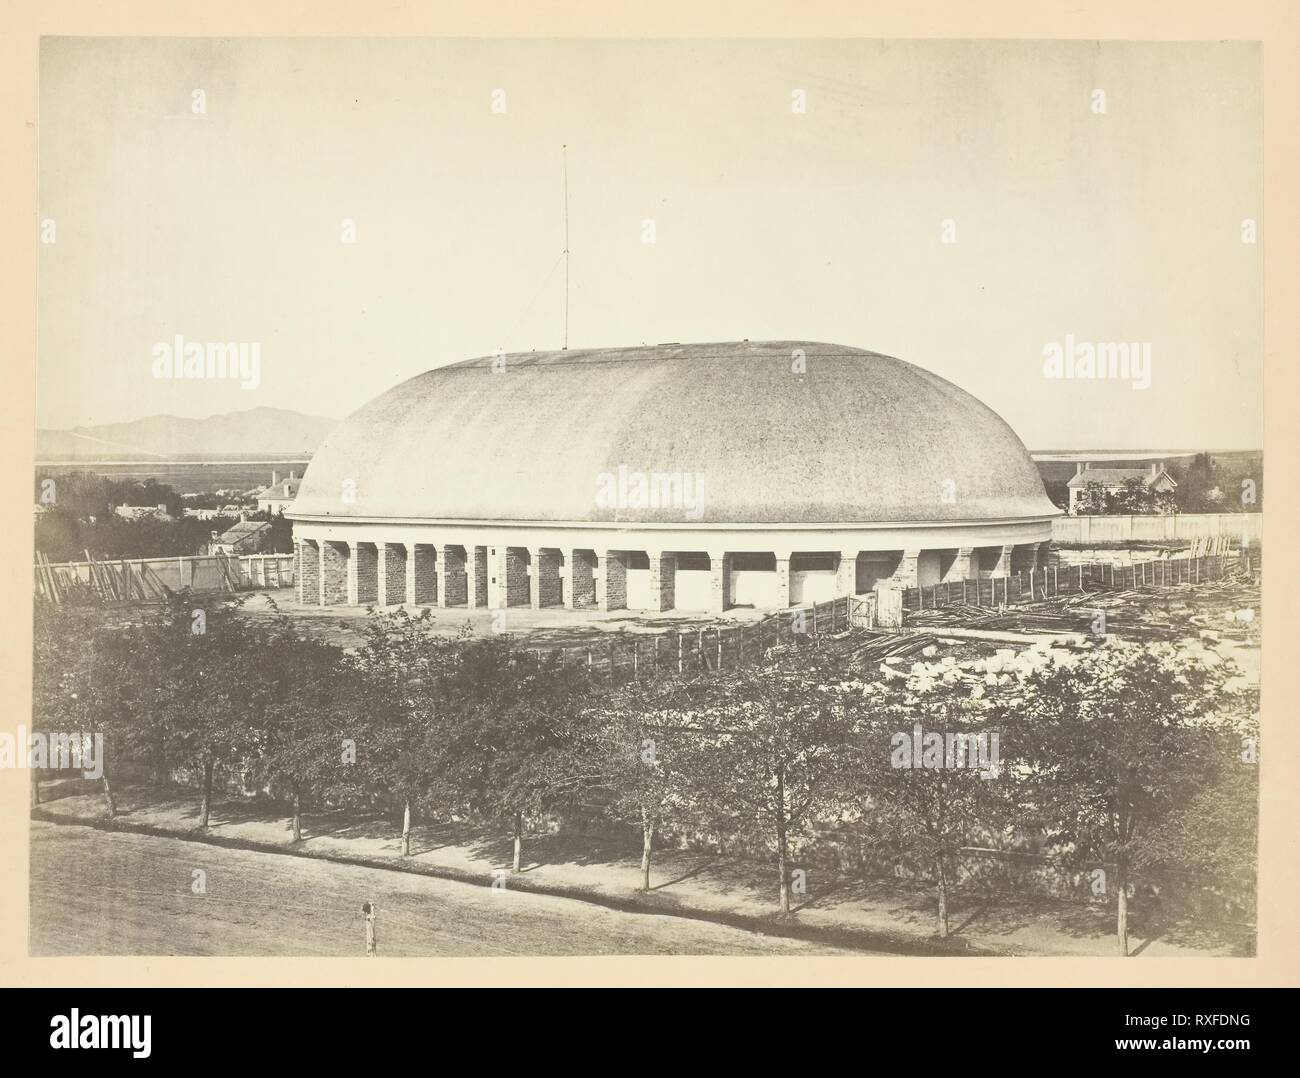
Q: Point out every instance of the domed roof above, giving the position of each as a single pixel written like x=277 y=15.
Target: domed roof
x=856 y=437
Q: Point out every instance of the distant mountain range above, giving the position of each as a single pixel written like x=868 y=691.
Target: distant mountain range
x=271 y=432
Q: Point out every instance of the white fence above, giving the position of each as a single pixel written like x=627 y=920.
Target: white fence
x=1188 y=526
x=265 y=570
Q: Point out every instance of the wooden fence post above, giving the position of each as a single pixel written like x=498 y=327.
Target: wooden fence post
x=371 y=947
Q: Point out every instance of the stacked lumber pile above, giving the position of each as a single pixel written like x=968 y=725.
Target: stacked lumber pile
x=106 y=581
x=871 y=648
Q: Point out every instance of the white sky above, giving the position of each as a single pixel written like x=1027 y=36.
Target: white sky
x=822 y=226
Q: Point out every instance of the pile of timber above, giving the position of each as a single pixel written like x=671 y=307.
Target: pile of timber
x=124 y=581
x=875 y=647
x=50 y=587
x=118 y=581
x=108 y=581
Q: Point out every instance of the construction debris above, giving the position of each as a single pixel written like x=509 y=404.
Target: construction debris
x=1147 y=612
x=106 y=581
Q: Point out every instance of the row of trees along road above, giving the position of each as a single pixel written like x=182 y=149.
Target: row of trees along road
x=1124 y=759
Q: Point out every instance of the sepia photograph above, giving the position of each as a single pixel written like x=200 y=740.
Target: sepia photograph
x=716 y=497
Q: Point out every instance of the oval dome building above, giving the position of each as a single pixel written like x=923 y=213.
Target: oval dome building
x=687 y=477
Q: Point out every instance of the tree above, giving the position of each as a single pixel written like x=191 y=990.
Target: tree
x=402 y=711
x=60 y=677
x=84 y=495
x=768 y=751
x=641 y=724
x=929 y=776
x=280 y=540
x=1094 y=500
x=181 y=686
x=1165 y=502
x=1199 y=489
x=204 y=693
x=1118 y=743
x=1135 y=497
x=82 y=684
x=112 y=684
x=1211 y=841
x=517 y=742
x=298 y=743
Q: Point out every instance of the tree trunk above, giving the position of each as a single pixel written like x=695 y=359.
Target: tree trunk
x=297 y=815
x=205 y=809
x=782 y=865
x=36 y=787
x=109 y=802
x=519 y=839
x=782 y=844
x=1121 y=919
x=406 y=829
x=941 y=877
x=647 y=845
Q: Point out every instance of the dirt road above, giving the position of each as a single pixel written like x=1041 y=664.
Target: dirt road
x=98 y=893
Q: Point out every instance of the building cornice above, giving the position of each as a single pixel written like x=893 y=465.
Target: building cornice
x=624 y=525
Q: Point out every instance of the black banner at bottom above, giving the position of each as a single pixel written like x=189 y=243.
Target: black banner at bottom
x=340 y=1026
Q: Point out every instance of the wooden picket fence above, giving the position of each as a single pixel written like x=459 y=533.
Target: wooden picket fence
x=1050 y=581
x=723 y=647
